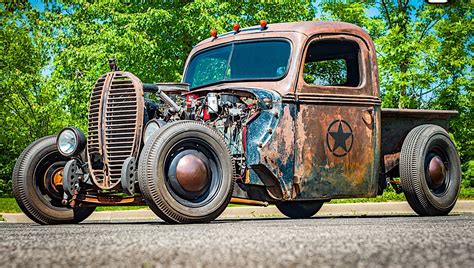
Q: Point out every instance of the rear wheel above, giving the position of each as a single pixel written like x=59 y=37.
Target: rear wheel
x=430 y=171
x=186 y=173
x=37 y=185
x=299 y=209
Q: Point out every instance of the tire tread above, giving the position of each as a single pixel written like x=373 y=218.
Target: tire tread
x=410 y=174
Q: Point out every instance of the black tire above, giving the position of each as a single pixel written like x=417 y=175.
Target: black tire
x=427 y=195
x=34 y=199
x=299 y=209
x=167 y=200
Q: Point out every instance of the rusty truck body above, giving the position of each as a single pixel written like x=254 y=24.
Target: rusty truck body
x=286 y=114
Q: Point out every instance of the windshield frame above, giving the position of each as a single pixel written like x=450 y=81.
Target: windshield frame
x=283 y=76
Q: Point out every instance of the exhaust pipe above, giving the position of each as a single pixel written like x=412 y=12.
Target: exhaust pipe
x=153 y=88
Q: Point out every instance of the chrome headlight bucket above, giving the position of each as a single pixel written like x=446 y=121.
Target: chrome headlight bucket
x=70 y=141
x=152 y=127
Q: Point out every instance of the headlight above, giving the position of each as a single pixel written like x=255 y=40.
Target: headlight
x=151 y=127
x=70 y=141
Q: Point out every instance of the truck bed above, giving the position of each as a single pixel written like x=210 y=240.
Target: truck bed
x=396 y=123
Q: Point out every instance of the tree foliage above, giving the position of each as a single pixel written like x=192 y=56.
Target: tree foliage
x=53 y=54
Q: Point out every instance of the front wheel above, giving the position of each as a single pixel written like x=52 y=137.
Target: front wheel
x=37 y=185
x=186 y=173
x=430 y=171
x=299 y=209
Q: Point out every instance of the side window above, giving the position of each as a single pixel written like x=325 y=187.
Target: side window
x=332 y=63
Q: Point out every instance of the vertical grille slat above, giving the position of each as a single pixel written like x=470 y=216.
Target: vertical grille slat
x=115 y=126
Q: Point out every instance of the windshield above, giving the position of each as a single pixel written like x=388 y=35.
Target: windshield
x=261 y=60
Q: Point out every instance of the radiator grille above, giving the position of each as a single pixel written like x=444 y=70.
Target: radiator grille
x=115 y=126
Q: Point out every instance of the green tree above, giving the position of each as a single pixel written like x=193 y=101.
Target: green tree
x=28 y=109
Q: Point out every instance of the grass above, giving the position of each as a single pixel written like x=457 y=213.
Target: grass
x=1 y=218
x=388 y=195
x=467 y=193
x=9 y=205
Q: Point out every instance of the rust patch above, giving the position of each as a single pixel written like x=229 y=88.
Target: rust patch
x=281 y=145
x=278 y=154
x=335 y=152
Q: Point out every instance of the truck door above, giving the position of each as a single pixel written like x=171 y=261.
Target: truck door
x=338 y=117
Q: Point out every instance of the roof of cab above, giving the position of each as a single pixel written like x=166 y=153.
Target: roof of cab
x=308 y=28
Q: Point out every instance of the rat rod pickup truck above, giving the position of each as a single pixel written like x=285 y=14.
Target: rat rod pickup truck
x=286 y=114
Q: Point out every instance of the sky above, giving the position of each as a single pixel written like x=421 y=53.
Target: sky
x=38 y=4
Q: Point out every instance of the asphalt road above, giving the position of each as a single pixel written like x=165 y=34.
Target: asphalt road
x=345 y=241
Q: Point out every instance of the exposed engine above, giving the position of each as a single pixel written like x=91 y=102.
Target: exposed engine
x=228 y=113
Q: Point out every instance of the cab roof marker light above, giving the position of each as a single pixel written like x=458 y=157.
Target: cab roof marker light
x=263 y=24
x=236 y=27
x=214 y=33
